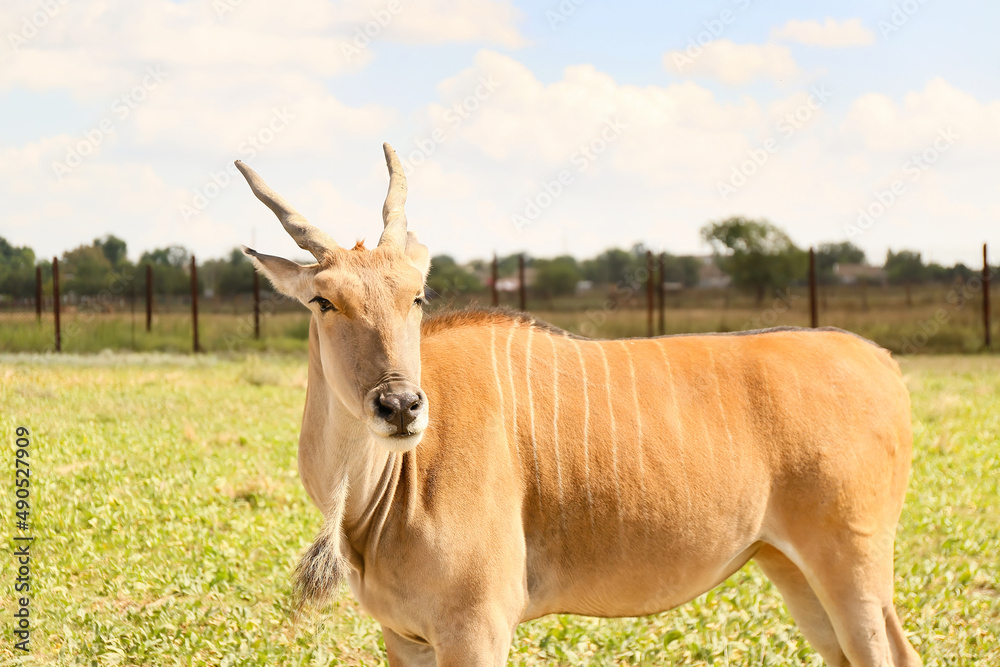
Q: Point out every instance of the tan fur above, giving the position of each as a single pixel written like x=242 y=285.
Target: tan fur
x=795 y=442
x=608 y=478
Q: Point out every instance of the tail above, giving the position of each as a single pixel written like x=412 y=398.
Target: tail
x=318 y=575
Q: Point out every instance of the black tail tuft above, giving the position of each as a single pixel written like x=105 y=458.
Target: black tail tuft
x=319 y=572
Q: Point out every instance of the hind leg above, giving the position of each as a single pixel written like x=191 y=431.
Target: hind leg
x=902 y=651
x=852 y=577
x=802 y=602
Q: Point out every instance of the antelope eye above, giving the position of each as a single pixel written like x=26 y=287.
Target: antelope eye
x=323 y=304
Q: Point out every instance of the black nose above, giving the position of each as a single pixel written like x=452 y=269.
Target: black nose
x=399 y=409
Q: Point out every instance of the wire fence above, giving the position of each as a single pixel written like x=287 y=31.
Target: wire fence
x=133 y=315
x=129 y=315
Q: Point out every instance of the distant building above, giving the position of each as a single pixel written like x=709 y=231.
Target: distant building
x=507 y=284
x=852 y=274
x=710 y=275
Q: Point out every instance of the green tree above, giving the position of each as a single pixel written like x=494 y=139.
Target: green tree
x=228 y=276
x=829 y=255
x=170 y=270
x=17 y=270
x=85 y=270
x=237 y=274
x=756 y=254
x=905 y=266
x=507 y=266
x=556 y=277
x=449 y=280
x=114 y=249
x=958 y=272
x=681 y=269
x=611 y=266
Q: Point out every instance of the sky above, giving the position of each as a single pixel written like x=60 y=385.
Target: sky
x=553 y=127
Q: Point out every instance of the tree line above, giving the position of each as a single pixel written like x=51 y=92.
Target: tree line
x=89 y=270
x=757 y=255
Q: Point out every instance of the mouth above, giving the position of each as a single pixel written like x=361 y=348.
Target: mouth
x=397 y=442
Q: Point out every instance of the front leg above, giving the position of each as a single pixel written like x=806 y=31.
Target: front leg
x=474 y=641
x=485 y=648
x=475 y=651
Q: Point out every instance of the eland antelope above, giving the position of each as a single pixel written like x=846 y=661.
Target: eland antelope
x=480 y=469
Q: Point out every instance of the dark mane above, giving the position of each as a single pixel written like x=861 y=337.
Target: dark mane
x=452 y=319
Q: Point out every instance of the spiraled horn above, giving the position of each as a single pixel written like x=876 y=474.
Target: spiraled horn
x=393 y=215
x=308 y=237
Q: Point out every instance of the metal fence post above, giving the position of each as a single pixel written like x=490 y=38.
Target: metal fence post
x=256 y=305
x=495 y=298
x=986 y=297
x=661 y=296
x=651 y=270
x=522 y=293
x=55 y=301
x=813 y=306
x=194 y=303
x=131 y=303
x=38 y=293
x=149 y=297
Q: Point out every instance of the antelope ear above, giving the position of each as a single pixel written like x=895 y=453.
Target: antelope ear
x=417 y=253
x=287 y=277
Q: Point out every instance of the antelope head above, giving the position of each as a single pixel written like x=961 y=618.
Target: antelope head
x=366 y=310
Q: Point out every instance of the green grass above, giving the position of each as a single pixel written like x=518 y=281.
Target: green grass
x=168 y=515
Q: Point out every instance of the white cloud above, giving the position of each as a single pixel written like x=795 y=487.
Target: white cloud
x=734 y=64
x=441 y=21
x=72 y=51
x=130 y=200
x=325 y=205
x=829 y=34
x=657 y=181
x=883 y=125
x=227 y=72
x=503 y=133
x=531 y=127
x=434 y=183
x=93 y=49
x=282 y=114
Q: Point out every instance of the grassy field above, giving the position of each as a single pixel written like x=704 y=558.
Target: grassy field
x=168 y=515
